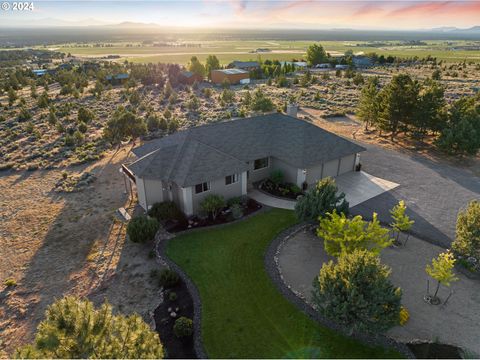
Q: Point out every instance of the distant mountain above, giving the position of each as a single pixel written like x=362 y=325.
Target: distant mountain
x=453 y=29
x=51 y=22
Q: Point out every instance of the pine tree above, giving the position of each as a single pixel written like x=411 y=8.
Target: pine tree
x=342 y=235
x=368 y=107
x=74 y=329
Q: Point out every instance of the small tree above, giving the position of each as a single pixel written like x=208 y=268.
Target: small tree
x=467 y=239
x=43 y=100
x=74 y=329
x=441 y=270
x=212 y=204
x=85 y=115
x=261 y=102
x=124 y=125
x=142 y=229
x=320 y=200
x=401 y=221
x=342 y=235
x=357 y=293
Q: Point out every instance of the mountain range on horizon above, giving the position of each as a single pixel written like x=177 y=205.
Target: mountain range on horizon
x=89 y=22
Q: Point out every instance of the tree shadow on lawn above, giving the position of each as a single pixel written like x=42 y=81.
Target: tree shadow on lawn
x=61 y=265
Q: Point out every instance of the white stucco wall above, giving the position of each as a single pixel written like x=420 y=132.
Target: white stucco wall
x=217 y=187
x=289 y=171
x=141 y=193
x=260 y=174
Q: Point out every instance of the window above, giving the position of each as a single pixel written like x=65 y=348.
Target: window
x=260 y=163
x=199 y=188
x=231 y=179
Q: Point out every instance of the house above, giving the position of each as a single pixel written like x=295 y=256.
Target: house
x=117 y=79
x=323 y=66
x=341 y=67
x=227 y=158
x=297 y=64
x=39 y=72
x=244 y=65
x=361 y=61
x=233 y=76
x=189 y=78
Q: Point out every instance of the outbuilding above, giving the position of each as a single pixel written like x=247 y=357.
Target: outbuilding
x=233 y=76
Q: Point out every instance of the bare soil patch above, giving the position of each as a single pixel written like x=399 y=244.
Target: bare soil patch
x=54 y=244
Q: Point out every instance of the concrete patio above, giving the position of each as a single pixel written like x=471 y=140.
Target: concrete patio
x=357 y=186
x=301 y=257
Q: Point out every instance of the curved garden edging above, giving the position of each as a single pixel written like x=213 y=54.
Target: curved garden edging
x=271 y=266
x=160 y=249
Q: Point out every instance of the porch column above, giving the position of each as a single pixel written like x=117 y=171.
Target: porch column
x=244 y=183
x=301 y=177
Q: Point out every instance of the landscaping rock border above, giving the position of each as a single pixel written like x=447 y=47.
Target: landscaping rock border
x=272 y=268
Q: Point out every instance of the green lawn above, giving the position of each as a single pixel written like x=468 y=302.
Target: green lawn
x=243 y=314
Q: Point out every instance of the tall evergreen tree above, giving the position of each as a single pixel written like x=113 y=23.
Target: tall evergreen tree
x=369 y=108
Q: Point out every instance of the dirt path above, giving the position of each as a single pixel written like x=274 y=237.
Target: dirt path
x=55 y=244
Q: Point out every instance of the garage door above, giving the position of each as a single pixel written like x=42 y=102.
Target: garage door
x=346 y=164
x=330 y=168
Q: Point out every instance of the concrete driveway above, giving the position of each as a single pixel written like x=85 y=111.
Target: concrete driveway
x=357 y=186
x=360 y=186
x=301 y=257
x=434 y=192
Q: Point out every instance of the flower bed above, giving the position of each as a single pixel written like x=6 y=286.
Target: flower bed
x=177 y=302
x=226 y=215
x=282 y=190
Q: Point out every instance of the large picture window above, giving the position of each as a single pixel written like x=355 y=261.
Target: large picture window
x=260 y=163
x=231 y=179
x=199 y=188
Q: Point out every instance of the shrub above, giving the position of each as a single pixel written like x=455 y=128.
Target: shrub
x=277 y=177
x=321 y=199
x=172 y=296
x=212 y=204
x=357 y=293
x=237 y=211
x=467 y=239
x=10 y=282
x=166 y=210
x=294 y=188
x=142 y=229
x=237 y=200
x=153 y=123
x=404 y=316
x=183 y=327
x=85 y=115
x=168 y=278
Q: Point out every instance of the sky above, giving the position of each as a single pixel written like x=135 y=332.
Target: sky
x=301 y=14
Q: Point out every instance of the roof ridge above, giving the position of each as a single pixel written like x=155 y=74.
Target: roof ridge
x=216 y=149
x=179 y=151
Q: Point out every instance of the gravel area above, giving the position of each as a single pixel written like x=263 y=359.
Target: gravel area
x=301 y=256
x=434 y=192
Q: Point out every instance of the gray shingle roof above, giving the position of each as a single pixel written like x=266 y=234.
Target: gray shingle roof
x=211 y=151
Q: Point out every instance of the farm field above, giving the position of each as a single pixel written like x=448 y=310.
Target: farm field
x=227 y=51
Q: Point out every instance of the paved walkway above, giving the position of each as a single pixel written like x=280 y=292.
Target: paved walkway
x=271 y=201
x=357 y=186
x=302 y=256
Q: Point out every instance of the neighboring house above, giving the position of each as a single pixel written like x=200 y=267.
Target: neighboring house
x=245 y=65
x=323 y=66
x=233 y=76
x=297 y=64
x=117 y=79
x=341 y=67
x=189 y=78
x=226 y=158
x=361 y=61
